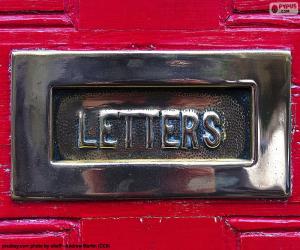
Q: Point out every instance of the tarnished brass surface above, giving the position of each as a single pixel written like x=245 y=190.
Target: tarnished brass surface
x=146 y=124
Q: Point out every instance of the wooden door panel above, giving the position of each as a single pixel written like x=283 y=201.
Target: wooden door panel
x=159 y=233
x=262 y=233
x=146 y=15
x=38 y=234
x=33 y=13
x=278 y=241
x=148 y=224
x=254 y=6
x=31 y=5
x=116 y=40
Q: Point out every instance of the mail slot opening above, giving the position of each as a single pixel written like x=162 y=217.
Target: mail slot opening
x=167 y=123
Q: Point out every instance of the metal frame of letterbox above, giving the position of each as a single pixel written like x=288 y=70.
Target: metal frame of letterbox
x=273 y=187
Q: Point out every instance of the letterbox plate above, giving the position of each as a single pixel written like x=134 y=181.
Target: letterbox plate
x=150 y=124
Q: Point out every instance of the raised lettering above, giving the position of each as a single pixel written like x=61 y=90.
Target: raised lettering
x=105 y=128
x=148 y=114
x=189 y=125
x=82 y=141
x=168 y=129
x=212 y=124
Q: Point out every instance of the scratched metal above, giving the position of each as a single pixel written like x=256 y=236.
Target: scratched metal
x=64 y=142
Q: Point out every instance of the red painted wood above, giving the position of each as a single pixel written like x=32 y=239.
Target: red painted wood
x=31 y=5
x=159 y=233
x=263 y=20
x=32 y=241
x=149 y=15
x=38 y=234
x=254 y=5
x=33 y=20
x=38 y=14
x=261 y=224
x=159 y=40
x=150 y=224
x=264 y=233
x=37 y=226
x=276 y=241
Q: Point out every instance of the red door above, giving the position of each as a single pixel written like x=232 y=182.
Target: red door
x=146 y=224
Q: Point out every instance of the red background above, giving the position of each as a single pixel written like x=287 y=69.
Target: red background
x=148 y=25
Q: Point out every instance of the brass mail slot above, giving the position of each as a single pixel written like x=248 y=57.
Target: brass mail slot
x=139 y=124
x=113 y=124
